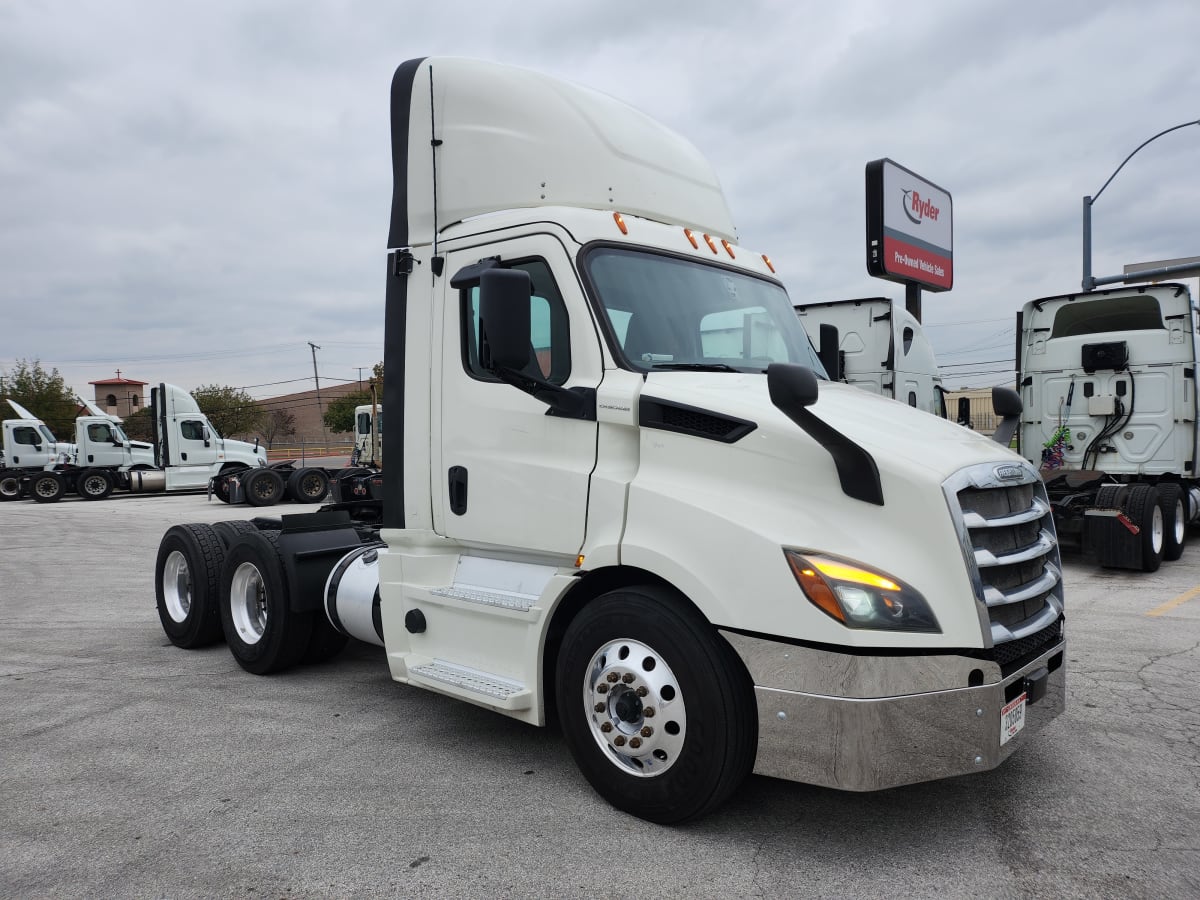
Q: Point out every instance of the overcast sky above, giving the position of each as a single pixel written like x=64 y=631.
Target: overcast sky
x=191 y=192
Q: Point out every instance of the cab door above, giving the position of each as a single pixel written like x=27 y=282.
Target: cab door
x=197 y=452
x=505 y=472
x=29 y=446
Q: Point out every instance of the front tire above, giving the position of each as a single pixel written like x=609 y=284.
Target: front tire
x=263 y=633
x=656 y=708
x=186 y=585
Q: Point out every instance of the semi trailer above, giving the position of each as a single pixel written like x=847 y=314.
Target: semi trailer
x=605 y=505
x=1108 y=384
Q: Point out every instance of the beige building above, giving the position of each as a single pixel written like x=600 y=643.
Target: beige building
x=120 y=396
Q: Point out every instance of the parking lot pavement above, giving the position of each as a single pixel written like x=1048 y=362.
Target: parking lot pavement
x=134 y=769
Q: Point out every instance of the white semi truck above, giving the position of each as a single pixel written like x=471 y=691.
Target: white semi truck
x=705 y=557
x=27 y=445
x=185 y=454
x=1108 y=383
x=368 y=435
x=874 y=344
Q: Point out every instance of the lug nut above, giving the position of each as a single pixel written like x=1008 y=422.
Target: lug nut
x=641 y=691
x=606 y=727
x=648 y=712
x=627 y=677
x=635 y=742
x=647 y=731
x=602 y=688
x=620 y=740
x=600 y=707
x=613 y=677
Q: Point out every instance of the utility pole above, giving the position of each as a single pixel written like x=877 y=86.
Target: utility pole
x=317 y=382
x=360 y=368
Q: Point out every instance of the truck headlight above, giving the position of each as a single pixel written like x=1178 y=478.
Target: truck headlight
x=860 y=597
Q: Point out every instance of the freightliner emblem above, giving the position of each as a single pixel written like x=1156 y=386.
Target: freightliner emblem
x=1009 y=473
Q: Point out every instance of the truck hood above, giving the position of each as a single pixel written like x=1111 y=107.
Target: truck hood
x=900 y=438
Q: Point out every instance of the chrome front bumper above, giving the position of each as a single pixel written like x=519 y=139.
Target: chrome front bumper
x=865 y=723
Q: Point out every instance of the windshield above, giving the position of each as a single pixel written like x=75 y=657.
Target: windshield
x=47 y=433
x=119 y=433
x=669 y=313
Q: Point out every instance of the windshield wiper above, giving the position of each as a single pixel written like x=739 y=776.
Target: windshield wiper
x=696 y=367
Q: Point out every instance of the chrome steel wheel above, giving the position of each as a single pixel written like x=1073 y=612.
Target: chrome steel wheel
x=636 y=711
x=1157 y=531
x=248 y=603
x=177 y=586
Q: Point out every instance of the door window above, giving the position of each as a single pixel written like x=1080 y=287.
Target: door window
x=549 y=337
x=192 y=430
x=25 y=435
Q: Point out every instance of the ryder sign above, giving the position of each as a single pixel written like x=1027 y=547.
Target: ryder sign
x=910 y=231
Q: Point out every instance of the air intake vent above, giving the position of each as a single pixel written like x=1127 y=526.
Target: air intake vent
x=1007 y=530
x=703 y=423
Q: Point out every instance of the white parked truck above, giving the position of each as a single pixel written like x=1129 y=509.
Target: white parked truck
x=705 y=557
x=27 y=445
x=368 y=435
x=185 y=454
x=877 y=345
x=1108 y=383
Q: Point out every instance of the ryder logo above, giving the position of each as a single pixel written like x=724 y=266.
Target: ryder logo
x=917 y=209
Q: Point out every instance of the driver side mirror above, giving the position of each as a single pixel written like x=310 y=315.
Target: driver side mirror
x=504 y=318
x=207 y=435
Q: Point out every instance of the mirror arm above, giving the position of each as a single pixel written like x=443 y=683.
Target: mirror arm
x=568 y=403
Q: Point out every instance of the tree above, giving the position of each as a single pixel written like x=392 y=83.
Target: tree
x=230 y=410
x=339 y=413
x=43 y=393
x=139 y=426
x=277 y=423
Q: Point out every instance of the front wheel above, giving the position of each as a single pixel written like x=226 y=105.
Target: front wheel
x=656 y=708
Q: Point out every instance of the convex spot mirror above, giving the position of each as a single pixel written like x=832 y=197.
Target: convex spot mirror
x=505 y=318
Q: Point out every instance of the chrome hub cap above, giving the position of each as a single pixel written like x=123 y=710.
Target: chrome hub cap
x=248 y=603
x=635 y=710
x=177 y=587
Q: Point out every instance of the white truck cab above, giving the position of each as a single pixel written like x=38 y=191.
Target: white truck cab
x=29 y=443
x=368 y=435
x=875 y=344
x=187 y=448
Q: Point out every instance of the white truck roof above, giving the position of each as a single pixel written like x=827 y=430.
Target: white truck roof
x=509 y=138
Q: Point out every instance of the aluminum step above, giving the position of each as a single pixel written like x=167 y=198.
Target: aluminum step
x=500 y=691
x=487 y=597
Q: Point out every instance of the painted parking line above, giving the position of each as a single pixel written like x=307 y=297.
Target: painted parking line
x=1172 y=604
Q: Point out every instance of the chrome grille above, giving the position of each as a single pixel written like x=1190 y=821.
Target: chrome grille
x=1007 y=532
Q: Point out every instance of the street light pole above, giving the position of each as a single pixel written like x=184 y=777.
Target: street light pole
x=1089 y=283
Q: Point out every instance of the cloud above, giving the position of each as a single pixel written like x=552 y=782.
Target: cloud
x=193 y=191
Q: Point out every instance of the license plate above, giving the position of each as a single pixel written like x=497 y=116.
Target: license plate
x=1012 y=719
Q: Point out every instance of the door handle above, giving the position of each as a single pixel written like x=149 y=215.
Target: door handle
x=458 y=490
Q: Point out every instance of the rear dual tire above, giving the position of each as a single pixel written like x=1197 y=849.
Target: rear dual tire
x=187 y=576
